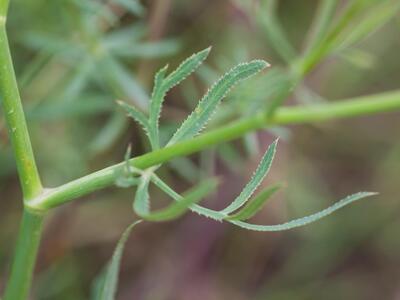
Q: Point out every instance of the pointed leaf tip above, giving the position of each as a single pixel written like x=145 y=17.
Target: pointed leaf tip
x=258 y=176
x=308 y=219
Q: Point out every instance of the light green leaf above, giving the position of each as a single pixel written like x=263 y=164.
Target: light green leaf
x=208 y=104
x=306 y=220
x=178 y=208
x=105 y=286
x=157 y=99
x=371 y=21
x=252 y=207
x=135 y=114
x=186 y=68
x=255 y=181
x=163 y=84
x=203 y=211
x=141 y=204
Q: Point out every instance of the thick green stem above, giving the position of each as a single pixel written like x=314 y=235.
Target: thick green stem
x=24 y=257
x=15 y=119
x=31 y=226
x=389 y=101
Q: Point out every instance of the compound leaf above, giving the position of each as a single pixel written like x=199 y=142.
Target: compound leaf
x=163 y=84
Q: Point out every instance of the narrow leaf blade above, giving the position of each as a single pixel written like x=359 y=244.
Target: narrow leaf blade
x=163 y=84
x=200 y=210
x=141 y=204
x=186 y=68
x=157 y=98
x=178 y=208
x=208 y=104
x=255 y=205
x=305 y=220
x=105 y=286
x=135 y=114
x=260 y=173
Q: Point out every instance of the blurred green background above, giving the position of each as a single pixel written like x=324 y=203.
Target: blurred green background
x=74 y=58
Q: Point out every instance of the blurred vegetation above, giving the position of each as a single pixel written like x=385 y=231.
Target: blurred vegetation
x=74 y=58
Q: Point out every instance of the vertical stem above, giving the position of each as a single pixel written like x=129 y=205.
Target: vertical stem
x=24 y=257
x=15 y=119
x=31 y=225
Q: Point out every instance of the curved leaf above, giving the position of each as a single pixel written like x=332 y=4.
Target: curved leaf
x=178 y=208
x=255 y=181
x=105 y=285
x=252 y=207
x=305 y=220
x=208 y=104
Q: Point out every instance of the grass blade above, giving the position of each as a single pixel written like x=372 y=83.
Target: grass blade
x=255 y=181
x=178 y=208
x=208 y=104
x=252 y=207
x=305 y=220
x=105 y=285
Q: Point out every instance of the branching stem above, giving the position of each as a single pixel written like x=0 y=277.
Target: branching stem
x=384 y=102
x=31 y=225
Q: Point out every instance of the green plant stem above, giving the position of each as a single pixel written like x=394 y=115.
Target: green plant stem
x=15 y=119
x=31 y=225
x=389 y=101
x=24 y=257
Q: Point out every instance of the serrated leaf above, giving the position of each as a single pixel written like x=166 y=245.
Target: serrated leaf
x=203 y=211
x=135 y=114
x=163 y=84
x=305 y=220
x=157 y=98
x=105 y=286
x=186 y=68
x=254 y=206
x=255 y=181
x=178 y=208
x=208 y=104
x=141 y=204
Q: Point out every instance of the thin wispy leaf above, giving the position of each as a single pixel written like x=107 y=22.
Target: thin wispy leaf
x=255 y=205
x=255 y=181
x=176 y=209
x=105 y=285
x=208 y=104
x=305 y=220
